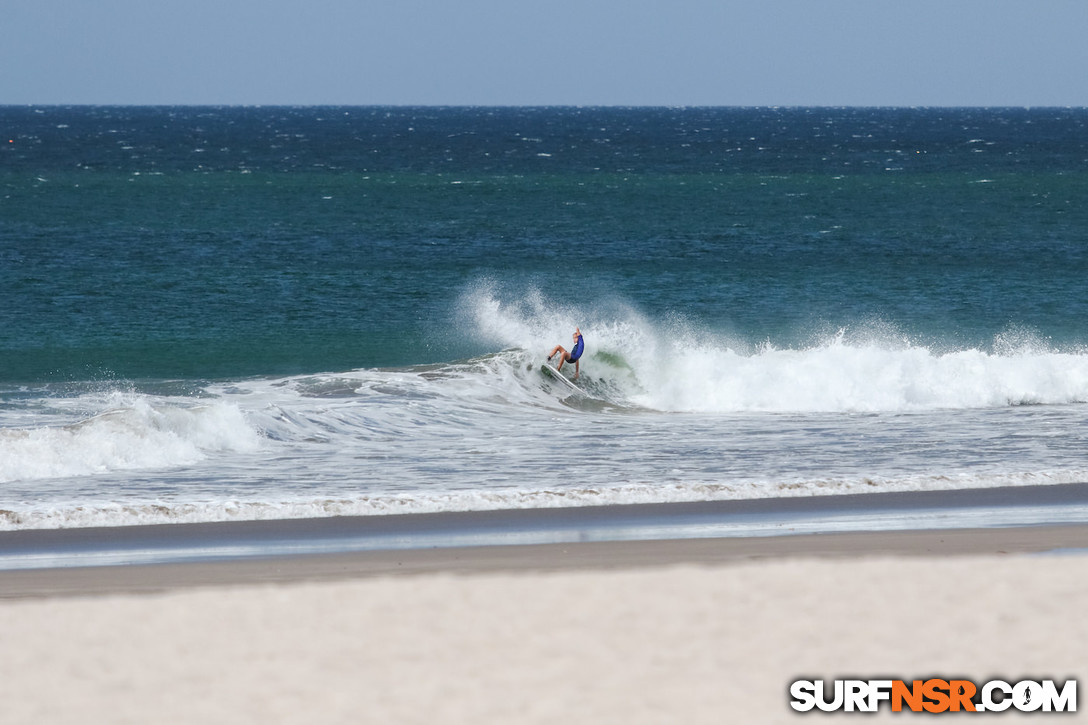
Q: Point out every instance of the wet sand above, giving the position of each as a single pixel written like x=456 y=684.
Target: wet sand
x=513 y=559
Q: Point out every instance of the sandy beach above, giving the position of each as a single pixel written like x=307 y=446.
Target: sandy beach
x=455 y=618
x=695 y=631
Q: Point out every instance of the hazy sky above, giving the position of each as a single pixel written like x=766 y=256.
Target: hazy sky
x=577 y=52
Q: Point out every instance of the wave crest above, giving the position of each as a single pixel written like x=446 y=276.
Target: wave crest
x=132 y=434
x=672 y=366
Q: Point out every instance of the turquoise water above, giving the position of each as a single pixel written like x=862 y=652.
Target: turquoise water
x=243 y=312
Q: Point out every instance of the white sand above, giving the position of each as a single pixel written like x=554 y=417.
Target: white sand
x=646 y=645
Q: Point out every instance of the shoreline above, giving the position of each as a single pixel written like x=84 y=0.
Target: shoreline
x=1015 y=520
x=1008 y=506
x=1056 y=541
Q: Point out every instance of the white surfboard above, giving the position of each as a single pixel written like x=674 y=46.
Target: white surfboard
x=556 y=375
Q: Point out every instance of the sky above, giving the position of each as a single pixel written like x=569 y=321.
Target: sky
x=549 y=52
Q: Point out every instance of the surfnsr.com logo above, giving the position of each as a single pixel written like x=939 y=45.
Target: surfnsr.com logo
x=933 y=695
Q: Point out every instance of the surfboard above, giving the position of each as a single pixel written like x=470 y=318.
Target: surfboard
x=560 y=377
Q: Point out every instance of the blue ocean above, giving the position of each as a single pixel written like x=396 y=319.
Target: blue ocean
x=225 y=313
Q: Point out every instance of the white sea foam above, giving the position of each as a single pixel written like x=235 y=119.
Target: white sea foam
x=167 y=512
x=672 y=367
x=131 y=434
x=842 y=377
x=669 y=413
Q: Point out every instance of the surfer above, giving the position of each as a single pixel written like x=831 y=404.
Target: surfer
x=571 y=356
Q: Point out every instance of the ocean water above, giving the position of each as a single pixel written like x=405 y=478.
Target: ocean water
x=244 y=313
